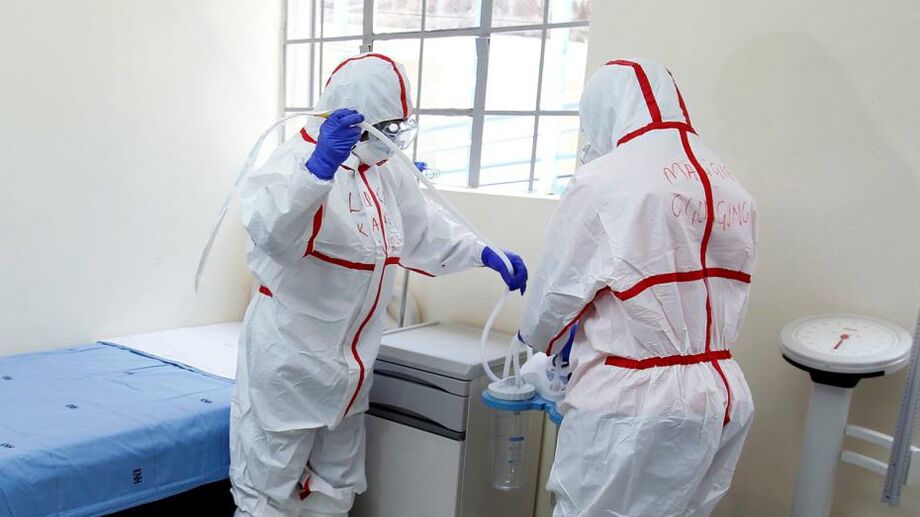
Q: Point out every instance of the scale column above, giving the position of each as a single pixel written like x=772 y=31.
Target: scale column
x=825 y=426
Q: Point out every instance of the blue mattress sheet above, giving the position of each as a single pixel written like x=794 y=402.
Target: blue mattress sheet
x=98 y=428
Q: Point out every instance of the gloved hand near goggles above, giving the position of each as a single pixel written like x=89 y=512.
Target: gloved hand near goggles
x=337 y=136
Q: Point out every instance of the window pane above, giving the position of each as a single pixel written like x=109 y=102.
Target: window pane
x=404 y=52
x=334 y=52
x=297 y=76
x=569 y=11
x=451 y=14
x=397 y=16
x=444 y=143
x=563 y=70
x=514 y=61
x=517 y=12
x=343 y=17
x=300 y=19
x=449 y=83
x=557 y=153
x=507 y=144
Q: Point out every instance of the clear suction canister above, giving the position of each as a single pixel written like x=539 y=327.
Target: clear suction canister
x=507 y=448
x=508 y=441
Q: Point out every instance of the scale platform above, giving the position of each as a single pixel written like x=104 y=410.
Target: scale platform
x=837 y=351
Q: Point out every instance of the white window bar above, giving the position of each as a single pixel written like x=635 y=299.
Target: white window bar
x=322 y=30
x=368 y=27
x=444 y=33
x=477 y=113
x=536 y=117
x=282 y=85
x=479 y=97
x=312 y=47
x=421 y=66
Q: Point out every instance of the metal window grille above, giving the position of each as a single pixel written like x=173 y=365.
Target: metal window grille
x=322 y=25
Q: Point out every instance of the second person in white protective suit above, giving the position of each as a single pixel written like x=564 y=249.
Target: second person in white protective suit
x=330 y=218
x=651 y=249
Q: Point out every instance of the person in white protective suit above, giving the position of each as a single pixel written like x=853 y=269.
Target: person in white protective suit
x=328 y=226
x=651 y=251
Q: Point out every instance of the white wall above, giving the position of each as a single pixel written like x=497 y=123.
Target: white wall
x=122 y=125
x=814 y=106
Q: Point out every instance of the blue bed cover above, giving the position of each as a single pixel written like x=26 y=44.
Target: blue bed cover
x=99 y=428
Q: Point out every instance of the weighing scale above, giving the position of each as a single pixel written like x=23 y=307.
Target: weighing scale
x=839 y=350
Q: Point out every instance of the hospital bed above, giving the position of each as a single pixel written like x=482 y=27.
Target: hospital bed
x=98 y=428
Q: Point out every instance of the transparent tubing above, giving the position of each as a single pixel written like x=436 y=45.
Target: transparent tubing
x=512 y=350
x=483 y=339
x=508 y=437
x=244 y=171
x=248 y=165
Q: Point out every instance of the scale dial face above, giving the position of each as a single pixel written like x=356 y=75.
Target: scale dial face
x=846 y=343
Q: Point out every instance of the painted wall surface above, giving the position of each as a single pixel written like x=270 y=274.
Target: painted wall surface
x=122 y=126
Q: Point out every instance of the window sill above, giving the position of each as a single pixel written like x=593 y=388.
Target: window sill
x=479 y=192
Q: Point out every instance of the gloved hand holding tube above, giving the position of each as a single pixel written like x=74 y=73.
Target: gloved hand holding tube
x=338 y=134
x=516 y=280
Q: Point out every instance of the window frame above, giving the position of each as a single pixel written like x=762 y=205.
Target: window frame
x=477 y=113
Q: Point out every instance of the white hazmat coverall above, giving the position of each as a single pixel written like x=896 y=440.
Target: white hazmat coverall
x=325 y=253
x=651 y=249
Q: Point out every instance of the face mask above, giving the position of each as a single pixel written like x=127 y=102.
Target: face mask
x=588 y=153
x=371 y=151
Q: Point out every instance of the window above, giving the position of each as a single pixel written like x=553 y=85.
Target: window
x=496 y=82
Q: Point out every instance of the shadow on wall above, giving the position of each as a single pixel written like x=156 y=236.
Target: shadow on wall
x=839 y=217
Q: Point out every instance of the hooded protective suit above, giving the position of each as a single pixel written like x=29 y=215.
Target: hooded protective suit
x=325 y=253
x=651 y=249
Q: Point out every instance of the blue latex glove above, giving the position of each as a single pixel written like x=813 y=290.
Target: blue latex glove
x=421 y=166
x=567 y=348
x=516 y=281
x=337 y=136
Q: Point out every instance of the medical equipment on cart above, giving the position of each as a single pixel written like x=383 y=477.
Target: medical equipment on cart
x=425 y=398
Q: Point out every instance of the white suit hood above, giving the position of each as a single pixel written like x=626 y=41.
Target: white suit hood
x=373 y=84
x=615 y=105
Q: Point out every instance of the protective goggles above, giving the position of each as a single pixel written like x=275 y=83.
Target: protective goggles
x=401 y=132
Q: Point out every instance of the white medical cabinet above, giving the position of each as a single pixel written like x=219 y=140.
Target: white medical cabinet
x=428 y=430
